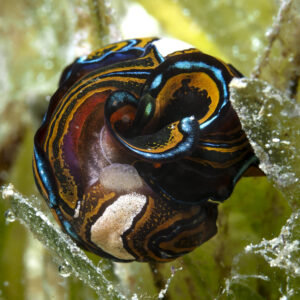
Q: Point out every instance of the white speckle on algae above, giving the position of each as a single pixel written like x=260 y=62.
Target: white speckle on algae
x=274 y=136
x=281 y=251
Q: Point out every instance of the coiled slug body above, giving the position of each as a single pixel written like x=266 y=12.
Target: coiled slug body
x=134 y=146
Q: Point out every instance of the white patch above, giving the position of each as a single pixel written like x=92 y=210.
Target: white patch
x=109 y=151
x=107 y=231
x=120 y=178
x=167 y=46
x=77 y=209
x=102 y=145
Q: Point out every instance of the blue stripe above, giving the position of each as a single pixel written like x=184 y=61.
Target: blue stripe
x=42 y=170
x=156 y=82
x=83 y=60
x=69 y=229
x=218 y=145
x=135 y=73
x=130 y=45
x=189 y=65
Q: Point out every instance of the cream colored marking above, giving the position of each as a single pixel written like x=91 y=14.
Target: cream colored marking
x=167 y=46
x=102 y=146
x=77 y=209
x=120 y=178
x=109 y=151
x=107 y=231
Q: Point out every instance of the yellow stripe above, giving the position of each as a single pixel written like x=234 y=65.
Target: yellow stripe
x=199 y=80
x=242 y=137
x=78 y=103
x=72 y=193
x=175 y=138
x=91 y=80
x=112 y=48
x=225 y=150
x=218 y=165
x=145 y=41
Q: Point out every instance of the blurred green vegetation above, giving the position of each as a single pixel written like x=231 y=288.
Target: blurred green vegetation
x=38 y=38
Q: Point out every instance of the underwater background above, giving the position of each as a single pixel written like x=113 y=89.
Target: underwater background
x=255 y=254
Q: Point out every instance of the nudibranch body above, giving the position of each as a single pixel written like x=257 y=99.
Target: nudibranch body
x=137 y=145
